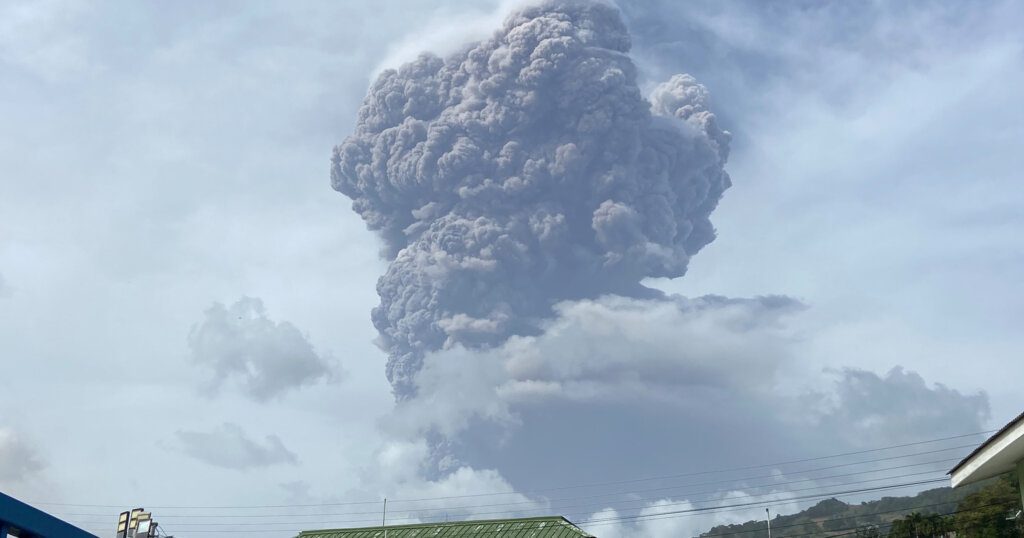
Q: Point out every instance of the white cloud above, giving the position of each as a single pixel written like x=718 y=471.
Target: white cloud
x=24 y=472
x=19 y=460
x=674 y=517
x=447 y=30
x=39 y=37
x=638 y=382
x=857 y=128
x=401 y=469
x=612 y=349
x=228 y=446
x=268 y=358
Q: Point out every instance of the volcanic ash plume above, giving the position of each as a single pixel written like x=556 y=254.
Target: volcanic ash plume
x=526 y=170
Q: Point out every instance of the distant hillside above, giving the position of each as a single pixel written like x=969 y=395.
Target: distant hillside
x=833 y=517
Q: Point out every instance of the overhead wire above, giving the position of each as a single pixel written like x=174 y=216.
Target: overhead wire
x=521 y=526
x=640 y=517
x=549 y=509
x=872 y=514
x=546 y=509
x=430 y=509
x=845 y=493
x=554 y=508
x=619 y=493
x=559 y=488
x=853 y=530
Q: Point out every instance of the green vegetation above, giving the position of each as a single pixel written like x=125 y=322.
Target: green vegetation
x=985 y=513
x=978 y=511
x=917 y=525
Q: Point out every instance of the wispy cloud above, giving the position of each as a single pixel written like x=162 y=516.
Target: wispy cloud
x=229 y=447
x=19 y=460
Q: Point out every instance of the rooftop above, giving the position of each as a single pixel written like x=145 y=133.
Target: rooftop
x=30 y=521
x=998 y=455
x=534 y=527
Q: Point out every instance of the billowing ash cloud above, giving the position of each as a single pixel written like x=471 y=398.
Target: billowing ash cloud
x=526 y=170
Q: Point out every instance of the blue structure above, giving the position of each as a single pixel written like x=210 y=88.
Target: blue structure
x=21 y=520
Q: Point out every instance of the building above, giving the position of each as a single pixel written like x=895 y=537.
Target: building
x=534 y=527
x=21 y=520
x=1001 y=453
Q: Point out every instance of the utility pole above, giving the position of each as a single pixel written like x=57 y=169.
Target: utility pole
x=768 y=516
x=384 y=520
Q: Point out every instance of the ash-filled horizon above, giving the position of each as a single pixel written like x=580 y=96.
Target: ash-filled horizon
x=526 y=170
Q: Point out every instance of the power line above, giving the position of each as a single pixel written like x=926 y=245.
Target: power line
x=845 y=493
x=872 y=514
x=853 y=530
x=634 y=492
x=593 y=505
x=605 y=521
x=546 y=510
x=565 y=507
x=559 y=488
x=677 y=514
x=700 y=473
x=692 y=511
x=450 y=508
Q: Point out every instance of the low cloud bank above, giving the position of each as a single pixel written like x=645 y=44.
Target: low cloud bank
x=635 y=387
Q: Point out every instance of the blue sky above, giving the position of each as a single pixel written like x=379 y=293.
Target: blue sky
x=160 y=159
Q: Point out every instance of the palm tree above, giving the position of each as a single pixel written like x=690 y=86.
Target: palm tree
x=916 y=522
x=911 y=526
x=936 y=525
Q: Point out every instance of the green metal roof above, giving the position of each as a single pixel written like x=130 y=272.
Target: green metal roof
x=534 y=527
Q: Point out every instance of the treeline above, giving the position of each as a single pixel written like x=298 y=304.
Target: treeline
x=984 y=510
x=991 y=512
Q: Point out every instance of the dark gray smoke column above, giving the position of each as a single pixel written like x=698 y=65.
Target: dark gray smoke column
x=526 y=170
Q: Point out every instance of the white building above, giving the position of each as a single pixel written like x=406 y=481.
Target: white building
x=1001 y=453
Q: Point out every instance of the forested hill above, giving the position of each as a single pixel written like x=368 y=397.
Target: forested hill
x=973 y=509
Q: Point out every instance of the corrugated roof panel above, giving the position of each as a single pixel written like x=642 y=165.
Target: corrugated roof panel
x=542 y=527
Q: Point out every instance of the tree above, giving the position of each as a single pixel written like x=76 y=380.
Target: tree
x=917 y=525
x=909 y=527
x=939 y=525
x=985 y=513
